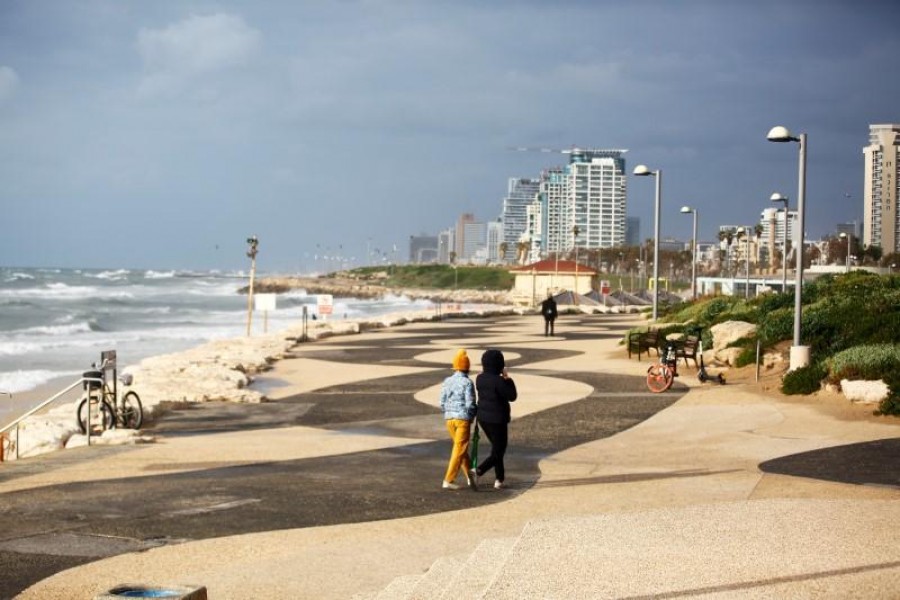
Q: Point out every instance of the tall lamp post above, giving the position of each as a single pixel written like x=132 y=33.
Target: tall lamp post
x=253 y=241
x=843 y=236
x=643 y=171
x=799 y=354
x=776 y=197
x=689 y=210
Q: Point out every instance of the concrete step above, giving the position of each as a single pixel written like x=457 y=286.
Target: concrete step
x=442 y=573
x=480 y=569
x=400 y=587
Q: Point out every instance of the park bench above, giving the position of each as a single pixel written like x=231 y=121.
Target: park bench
x=687 y=349
x=643 y=341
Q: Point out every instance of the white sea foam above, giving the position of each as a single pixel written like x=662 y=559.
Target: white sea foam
x=111 y=275
x=159 y=274
x=22 y=381
x=67 y=329
x=19 y=276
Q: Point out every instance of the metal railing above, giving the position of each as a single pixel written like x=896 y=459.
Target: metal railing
x=5 y=440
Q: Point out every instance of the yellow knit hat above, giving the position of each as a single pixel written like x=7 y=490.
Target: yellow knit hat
x=461 y=361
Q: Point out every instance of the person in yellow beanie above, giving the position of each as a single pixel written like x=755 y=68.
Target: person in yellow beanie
x=458 y=406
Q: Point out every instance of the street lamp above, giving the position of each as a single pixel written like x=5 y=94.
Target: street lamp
x=847 y=237
x=688 y=210
x=643 y=171
x=776 y=197
x=782 y=134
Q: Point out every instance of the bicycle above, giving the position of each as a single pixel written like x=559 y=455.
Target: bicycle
x=106 y=405
x=661 y=375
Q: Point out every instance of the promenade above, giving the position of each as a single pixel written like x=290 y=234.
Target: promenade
x=332 y=490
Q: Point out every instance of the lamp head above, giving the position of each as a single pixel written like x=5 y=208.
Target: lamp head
x=781 y=134
x=776 y=197
x=642 y=170
x=842 y=235
x=687 y=209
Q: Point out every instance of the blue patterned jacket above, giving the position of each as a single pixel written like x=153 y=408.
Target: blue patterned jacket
x=458 y=397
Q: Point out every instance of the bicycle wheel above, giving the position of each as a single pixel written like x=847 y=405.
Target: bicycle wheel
x=659 y=378
x=101 y=415
x=132 y=411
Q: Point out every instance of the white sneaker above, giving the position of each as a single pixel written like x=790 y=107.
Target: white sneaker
x=499 y=485
x=448 y=485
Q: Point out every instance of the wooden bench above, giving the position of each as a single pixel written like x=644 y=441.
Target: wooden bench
x=643 y=341
x=687 y=349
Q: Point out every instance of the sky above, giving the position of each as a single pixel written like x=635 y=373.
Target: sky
x=163 y=134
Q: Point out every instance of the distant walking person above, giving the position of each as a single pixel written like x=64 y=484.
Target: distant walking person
x=495 y=391
x=548 y=309
x=458 y=406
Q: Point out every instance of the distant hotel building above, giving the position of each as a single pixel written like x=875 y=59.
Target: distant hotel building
x=881 y=224
x=589 y=193
x=423 y=249
x=520 y=193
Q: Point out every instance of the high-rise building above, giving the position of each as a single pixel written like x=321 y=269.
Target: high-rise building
x=632 y=231
x=773 y=222
x=446 y=245
x=495 y=236
x=520 y=193
x=588 y=194
x=474 y=242
x=459 y=244
x=423 y=248
x=881 y=224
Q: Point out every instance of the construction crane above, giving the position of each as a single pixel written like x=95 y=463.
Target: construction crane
x=574 y=150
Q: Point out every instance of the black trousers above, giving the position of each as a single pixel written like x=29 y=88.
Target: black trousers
x=548 y=326
x=497 y=433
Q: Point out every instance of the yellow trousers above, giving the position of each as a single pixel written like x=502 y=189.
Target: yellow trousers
x=459 y=457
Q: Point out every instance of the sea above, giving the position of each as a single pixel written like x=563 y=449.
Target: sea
x=55 y=323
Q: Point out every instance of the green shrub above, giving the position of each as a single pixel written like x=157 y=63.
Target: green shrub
x=747 y=355
x=870 y=361
x=776 y=326
x=805 y=380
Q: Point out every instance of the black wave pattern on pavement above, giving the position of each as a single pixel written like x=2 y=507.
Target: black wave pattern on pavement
x=867 y=463
x=396 y=482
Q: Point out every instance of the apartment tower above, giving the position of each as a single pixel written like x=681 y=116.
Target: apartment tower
x=881 y=224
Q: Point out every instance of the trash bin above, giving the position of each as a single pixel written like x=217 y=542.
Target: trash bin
x=170 y=592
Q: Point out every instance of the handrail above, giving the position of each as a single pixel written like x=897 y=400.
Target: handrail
x=17 y=421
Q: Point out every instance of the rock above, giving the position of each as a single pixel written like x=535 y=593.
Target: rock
x=868 y=392
x=729 y=332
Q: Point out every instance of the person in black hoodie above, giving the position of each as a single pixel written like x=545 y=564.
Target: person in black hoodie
x=495 y=391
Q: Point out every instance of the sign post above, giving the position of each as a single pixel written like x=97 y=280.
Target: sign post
x=265 y=303
x=604 y=289
x=324 y=304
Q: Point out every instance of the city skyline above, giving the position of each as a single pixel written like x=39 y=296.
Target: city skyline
x=162 y=135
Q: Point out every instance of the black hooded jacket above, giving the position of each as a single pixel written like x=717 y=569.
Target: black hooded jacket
x=494 y=392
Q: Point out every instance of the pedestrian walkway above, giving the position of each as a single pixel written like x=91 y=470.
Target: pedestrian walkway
x=666 y=498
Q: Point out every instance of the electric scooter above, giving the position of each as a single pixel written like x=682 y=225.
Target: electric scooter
x=703 y=376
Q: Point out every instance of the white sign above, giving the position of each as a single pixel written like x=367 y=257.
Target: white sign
x=325 y=304
x=265 y=301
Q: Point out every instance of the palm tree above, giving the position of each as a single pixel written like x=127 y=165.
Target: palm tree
x=503 y=248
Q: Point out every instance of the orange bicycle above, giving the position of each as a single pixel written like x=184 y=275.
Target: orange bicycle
x=661 y=375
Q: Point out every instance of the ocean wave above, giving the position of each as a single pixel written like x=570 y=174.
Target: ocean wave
x=18 y=277
x=67 y=329
x=62 y=291
x=159 y=275
x=110 y=275
x=23 y=381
